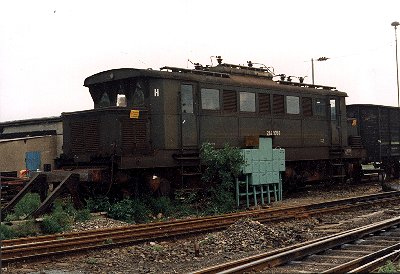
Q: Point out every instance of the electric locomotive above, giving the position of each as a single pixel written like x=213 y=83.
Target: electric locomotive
x=151 y=123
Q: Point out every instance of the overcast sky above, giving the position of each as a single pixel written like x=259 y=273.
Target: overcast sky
x=48 y=48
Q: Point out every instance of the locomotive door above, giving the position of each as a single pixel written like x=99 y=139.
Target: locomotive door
x=189 y=135
x=335 y=122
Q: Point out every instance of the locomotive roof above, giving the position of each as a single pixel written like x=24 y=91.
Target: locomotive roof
x=253 y=78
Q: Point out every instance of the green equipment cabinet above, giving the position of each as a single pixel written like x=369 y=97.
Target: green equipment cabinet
x=262 y=174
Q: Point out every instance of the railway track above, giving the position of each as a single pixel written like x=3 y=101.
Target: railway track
x=358 y=250
x=36 y=247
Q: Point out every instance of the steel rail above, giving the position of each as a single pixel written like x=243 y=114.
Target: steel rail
x=291 y=253
x=18 y=249
x=232 y=264
x=371 y=266
x=368 y=262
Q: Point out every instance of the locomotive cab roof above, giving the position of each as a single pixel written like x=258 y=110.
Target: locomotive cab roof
x=223 y=74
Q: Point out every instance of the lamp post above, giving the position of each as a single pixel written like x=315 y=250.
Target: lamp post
x=395 y=24
x=312 y=66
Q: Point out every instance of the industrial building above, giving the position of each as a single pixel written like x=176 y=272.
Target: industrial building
x=30 y=144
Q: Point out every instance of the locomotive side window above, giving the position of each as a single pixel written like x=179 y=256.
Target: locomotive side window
x=138 y=96
x=306 y=104
x=320 y=107
x=210 y=99
x=229 y=100
x=247 y=101
x=187 y=98
x=278 y=104
x=292 y=105
x=121 y=100
x=333 y=109
x=264 y=103
x=105 y=100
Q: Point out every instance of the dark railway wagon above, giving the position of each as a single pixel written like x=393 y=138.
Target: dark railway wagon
x=377 y=128
x=154 y=122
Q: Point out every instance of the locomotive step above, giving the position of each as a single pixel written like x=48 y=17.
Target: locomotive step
x=338 y=176
x=187 y=158
x=191 y=174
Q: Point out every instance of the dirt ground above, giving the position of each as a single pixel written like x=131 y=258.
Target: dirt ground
x=244 y=238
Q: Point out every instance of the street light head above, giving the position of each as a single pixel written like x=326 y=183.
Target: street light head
x=322 y=58
x=395 y=24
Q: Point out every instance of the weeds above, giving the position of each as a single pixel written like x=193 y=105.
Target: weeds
x=161 y=205
x=28 y=228
x=29 y=203
x=108 y=241
x=157 y=248
x=131 y=211
x=57 y=222
x=389 y=267
x=6 y=232
x=83 y=215
x=98 y=204
x=91 y=261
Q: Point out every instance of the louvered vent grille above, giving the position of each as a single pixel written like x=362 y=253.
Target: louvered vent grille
x=92 y=140
x=307 y=106
x=85 y=136
x=128 y=135
x=77 y=137
x=264 y=103
x=278 y=104
x=230 y=101
x=135 y=135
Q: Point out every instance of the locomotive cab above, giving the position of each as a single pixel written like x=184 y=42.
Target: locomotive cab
x=119 y=124
x=128 y=93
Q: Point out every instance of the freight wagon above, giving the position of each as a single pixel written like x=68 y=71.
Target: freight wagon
x=377 y=129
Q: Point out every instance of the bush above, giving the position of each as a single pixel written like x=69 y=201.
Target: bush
x=185 y=203
x=50 y=226
x=25 y=229
x=6 y=232
x=223 y=200
x=66 y=206
x=161 y=205
x=222 y=166
x=57 y=222
x=98 y=204
x=83 y=215
x=29 y=203
x=129 y=211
